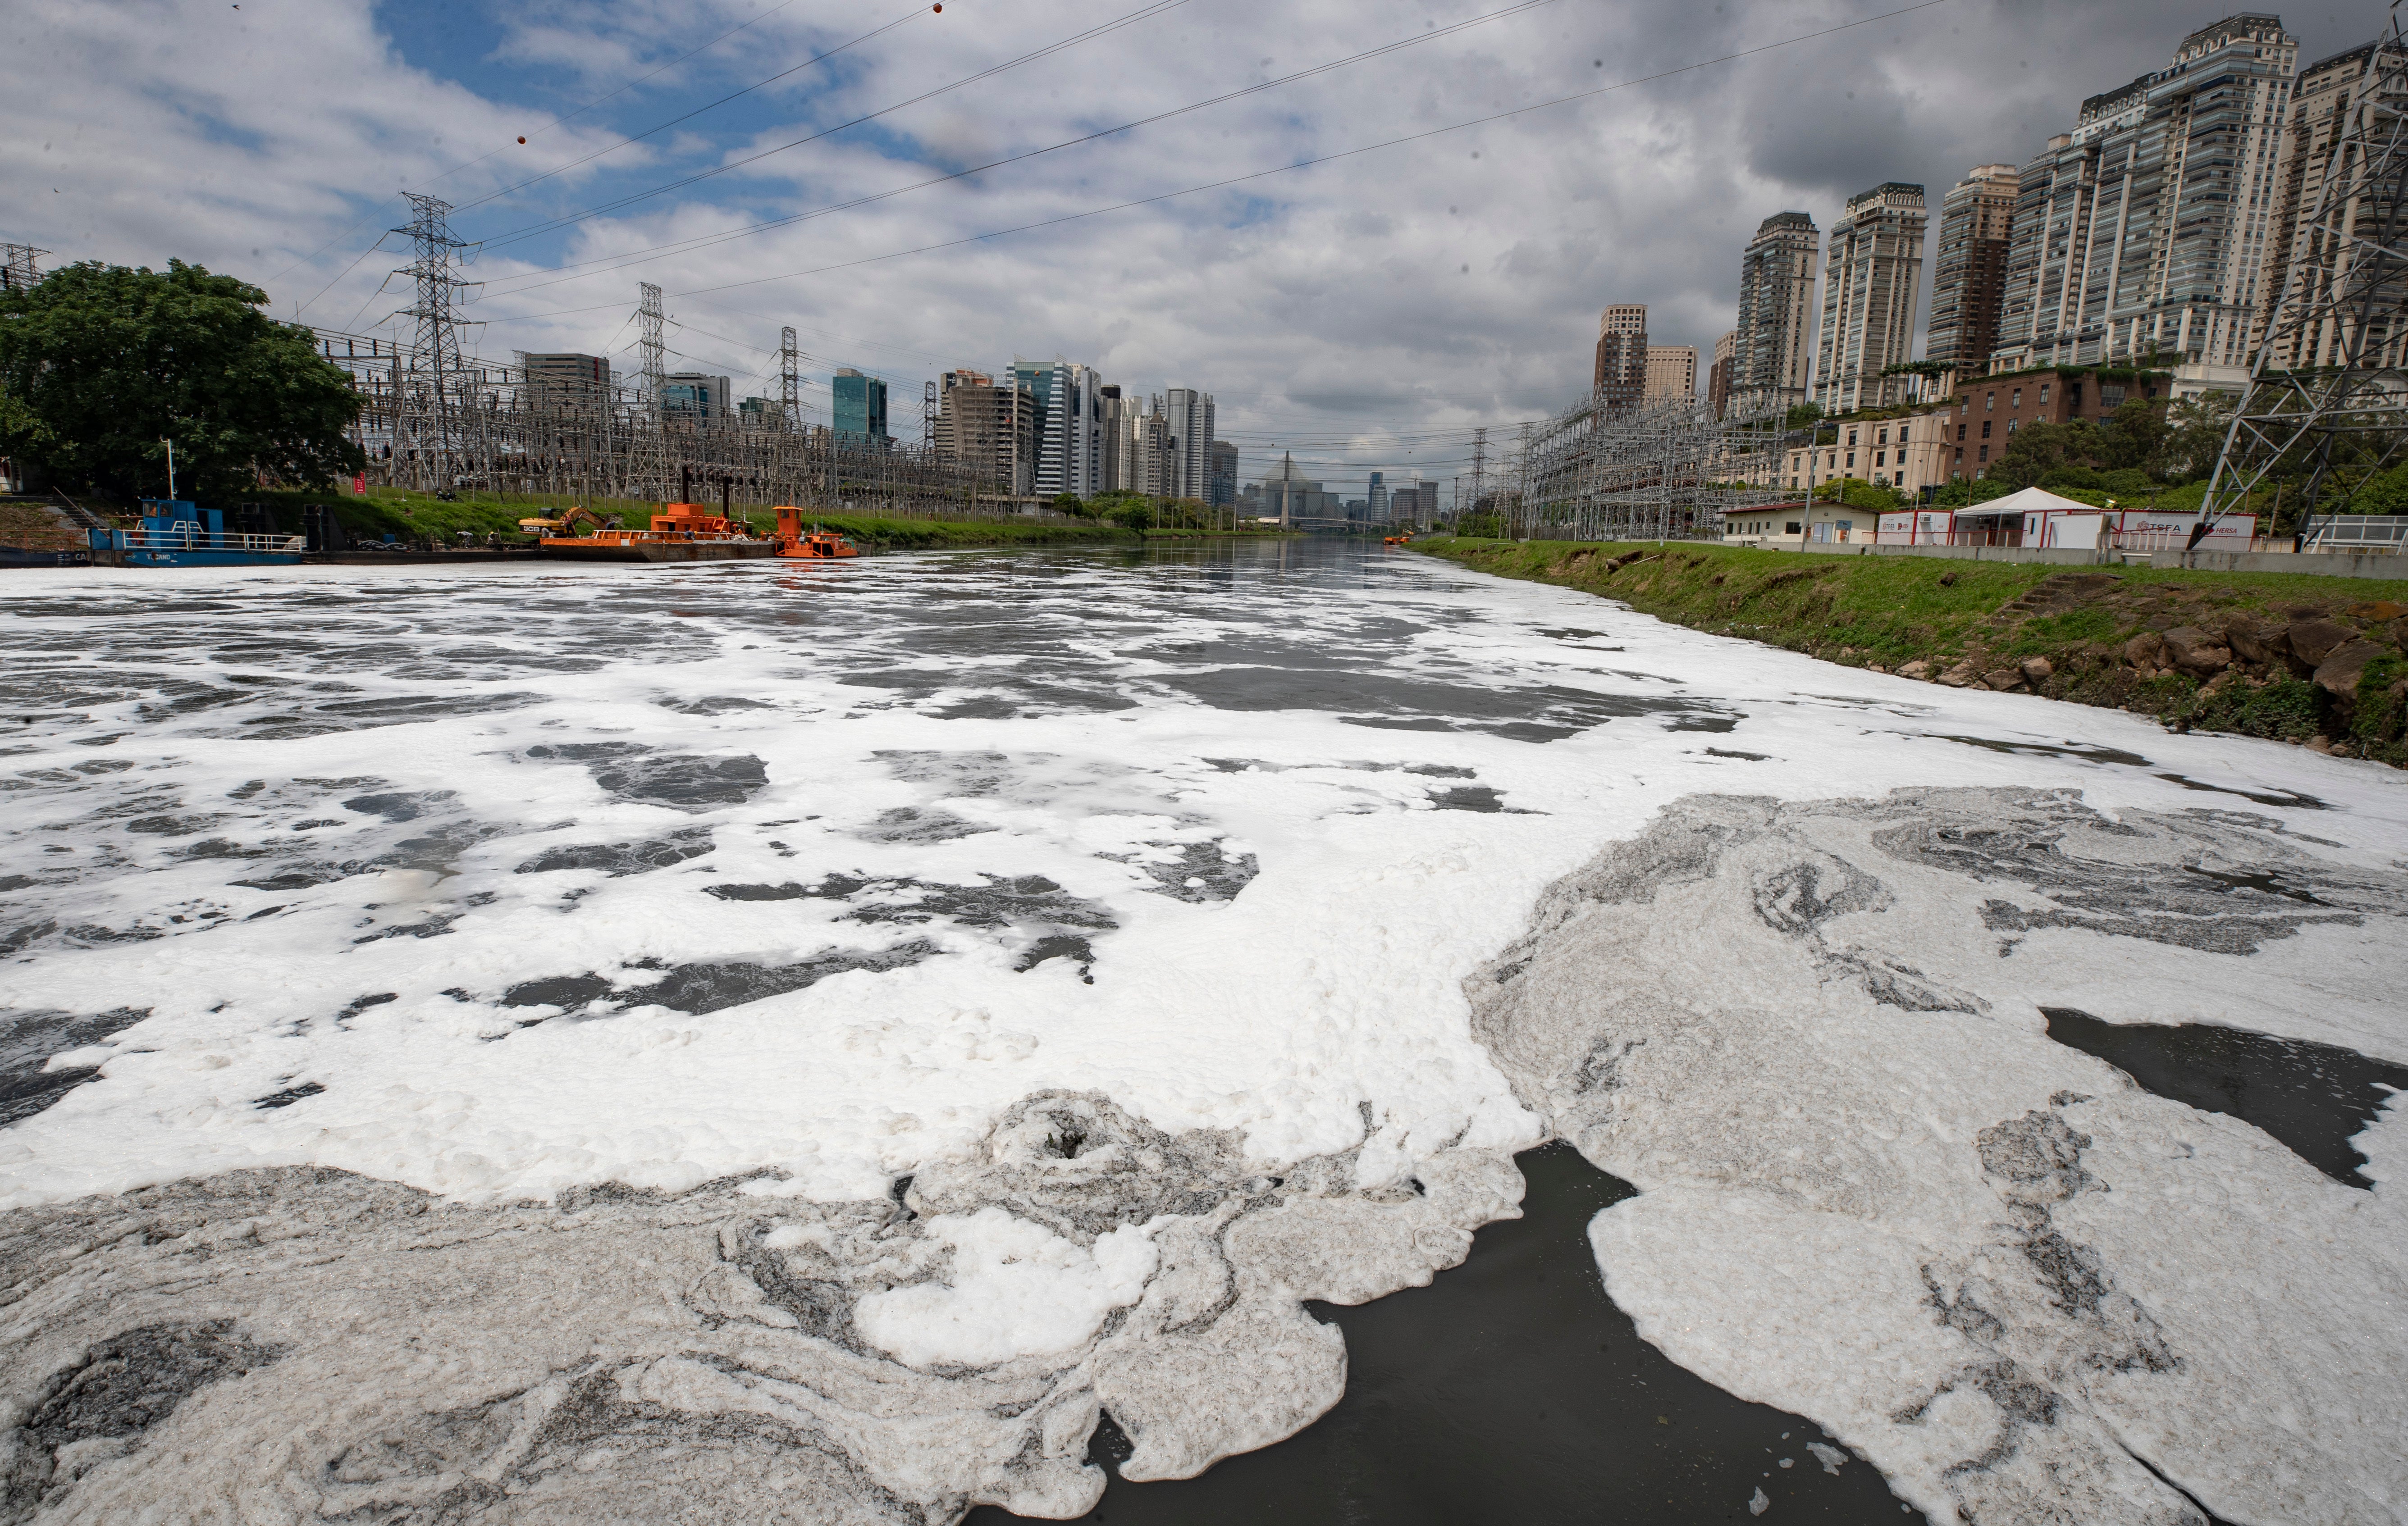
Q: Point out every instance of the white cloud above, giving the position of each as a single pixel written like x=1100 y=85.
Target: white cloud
x=1327 y=304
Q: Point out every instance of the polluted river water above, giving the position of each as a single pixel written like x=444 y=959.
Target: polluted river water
x=1041 y=1034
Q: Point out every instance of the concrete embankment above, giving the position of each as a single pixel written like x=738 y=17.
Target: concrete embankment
x=2313 y=660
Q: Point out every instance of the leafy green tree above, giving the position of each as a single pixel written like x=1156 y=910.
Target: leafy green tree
x=2196 y=427
x=1802 y=414
x=99 y=363
x=1856 y=493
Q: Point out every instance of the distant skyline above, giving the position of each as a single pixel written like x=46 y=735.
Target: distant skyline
x=1364 y=313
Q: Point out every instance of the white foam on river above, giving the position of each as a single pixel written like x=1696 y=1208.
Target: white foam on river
x=412 y=873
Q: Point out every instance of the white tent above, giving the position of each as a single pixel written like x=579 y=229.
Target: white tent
x=2028 y=501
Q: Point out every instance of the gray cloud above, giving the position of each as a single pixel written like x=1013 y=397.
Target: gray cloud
x=1332 y=305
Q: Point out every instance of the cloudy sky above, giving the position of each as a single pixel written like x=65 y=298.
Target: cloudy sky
x=1366 y=311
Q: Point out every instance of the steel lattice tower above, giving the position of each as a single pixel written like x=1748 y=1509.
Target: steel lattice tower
x=927 y=415
x=19 y=269
x=647 y=345
x=2327 y=388
x=790 y=378
x=436 y=311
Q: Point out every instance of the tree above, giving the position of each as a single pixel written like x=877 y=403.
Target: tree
x=1855 y=492
x=99 y=363
x=2196 y=433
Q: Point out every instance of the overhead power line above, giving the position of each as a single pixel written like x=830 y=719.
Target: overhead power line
x=1263 y=174
x=1143 y=13
x=625 y=258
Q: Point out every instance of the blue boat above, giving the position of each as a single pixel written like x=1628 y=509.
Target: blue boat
x=177 y=533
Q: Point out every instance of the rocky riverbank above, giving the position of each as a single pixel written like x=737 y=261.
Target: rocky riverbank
x=2319 y=661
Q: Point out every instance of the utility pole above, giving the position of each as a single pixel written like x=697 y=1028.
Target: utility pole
x=790 y=379
x=171 y=468
x=435 y=309
x=1479 y=464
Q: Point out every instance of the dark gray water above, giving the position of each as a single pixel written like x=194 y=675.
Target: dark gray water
x=1512 y=1391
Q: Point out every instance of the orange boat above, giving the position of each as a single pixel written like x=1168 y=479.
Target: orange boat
x=680 y=532
x=1405 y=539
x=795 y=543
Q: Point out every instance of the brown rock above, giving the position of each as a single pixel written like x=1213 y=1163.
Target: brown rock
x=2252 y=645
x=2145 y=650
x=2196 y=652
x=2314 y=639
x=2319 y=744
x=1962 y=676
x=2338 y=673
x=2037 y=671
x=2002 y=680
x=1916 y=669
x=2379 y=609
x=2398 y=632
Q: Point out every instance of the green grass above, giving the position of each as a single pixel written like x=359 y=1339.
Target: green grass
x=418 y=516
x=1888 y=611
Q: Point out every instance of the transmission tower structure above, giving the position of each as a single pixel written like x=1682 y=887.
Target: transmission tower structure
x=1479 y=464
x=20 y=267
x=648 y=350
x=790 y=380
x=2327 y=396
x=928 y=416
x=434 y=399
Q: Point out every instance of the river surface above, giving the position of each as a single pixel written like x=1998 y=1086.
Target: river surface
x=502 y=884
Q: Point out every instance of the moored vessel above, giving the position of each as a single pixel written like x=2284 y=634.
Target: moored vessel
x=680 y=532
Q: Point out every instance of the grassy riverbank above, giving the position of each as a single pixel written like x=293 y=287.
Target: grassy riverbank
x=2317 y=660
x=413 y=517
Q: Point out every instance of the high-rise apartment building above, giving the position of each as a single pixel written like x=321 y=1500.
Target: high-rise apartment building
x=1719 y=375
x=1776 y=305
x=1375 y=499
x=992 y=429
x=1871 y=275
x=2333 y=97
x=2147 y=230
x=1968 y=269
x=860 y=407
x=1622 y=357
x=1672 y=372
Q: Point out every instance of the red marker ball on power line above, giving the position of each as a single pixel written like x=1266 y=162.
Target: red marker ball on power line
x=522 y=140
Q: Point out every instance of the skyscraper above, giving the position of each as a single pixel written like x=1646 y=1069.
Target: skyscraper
x=1622 y=357
x=1777 y=302
x=1375 y=501
x=1672 y=372
x=1069 y=425
x=1223 y=489
x=1968 y=272
x=989 y=428
x=860 y=405
x=1191 y=438
x=2332 y=96
x=1871 y=275
x=2145 y=230
x=1719 y=375
x=697 y=397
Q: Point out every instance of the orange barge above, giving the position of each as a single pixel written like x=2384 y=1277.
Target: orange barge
x=680 y=532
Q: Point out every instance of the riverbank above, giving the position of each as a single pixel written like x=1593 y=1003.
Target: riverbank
x=2289 y=656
